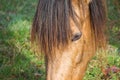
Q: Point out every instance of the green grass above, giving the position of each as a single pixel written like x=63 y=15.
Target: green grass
x=17 y=60
x=114 y=24
x=103 y=60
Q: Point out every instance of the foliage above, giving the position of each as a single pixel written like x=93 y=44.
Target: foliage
x=102 y=61
x=17 y=61
x=114 y=23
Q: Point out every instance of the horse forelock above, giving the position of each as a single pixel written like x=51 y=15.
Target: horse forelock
x=51 y=25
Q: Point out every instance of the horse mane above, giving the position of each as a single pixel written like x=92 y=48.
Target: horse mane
x=51 y=24
x=98 y=19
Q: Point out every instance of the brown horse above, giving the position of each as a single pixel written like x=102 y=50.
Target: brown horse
x=68 y=32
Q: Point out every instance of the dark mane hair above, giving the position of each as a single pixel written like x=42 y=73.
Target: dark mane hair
x=51 y=25
x=98 y=19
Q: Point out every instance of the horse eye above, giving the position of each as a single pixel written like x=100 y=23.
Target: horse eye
x=76 y=36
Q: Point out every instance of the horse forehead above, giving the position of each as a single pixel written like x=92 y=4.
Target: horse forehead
x=82 y=10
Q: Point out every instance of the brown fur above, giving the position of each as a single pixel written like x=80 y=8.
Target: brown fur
x=55 y=23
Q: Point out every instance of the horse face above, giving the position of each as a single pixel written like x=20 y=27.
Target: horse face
x=68 y=43
x=70 y=62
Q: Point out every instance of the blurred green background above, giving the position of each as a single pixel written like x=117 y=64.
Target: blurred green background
x=17 y=60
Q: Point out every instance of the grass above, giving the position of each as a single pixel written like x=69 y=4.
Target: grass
x=103 y=60
x=17 y=60
x=113 y=23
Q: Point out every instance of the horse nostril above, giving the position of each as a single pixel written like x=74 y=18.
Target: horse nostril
x=76 y=36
